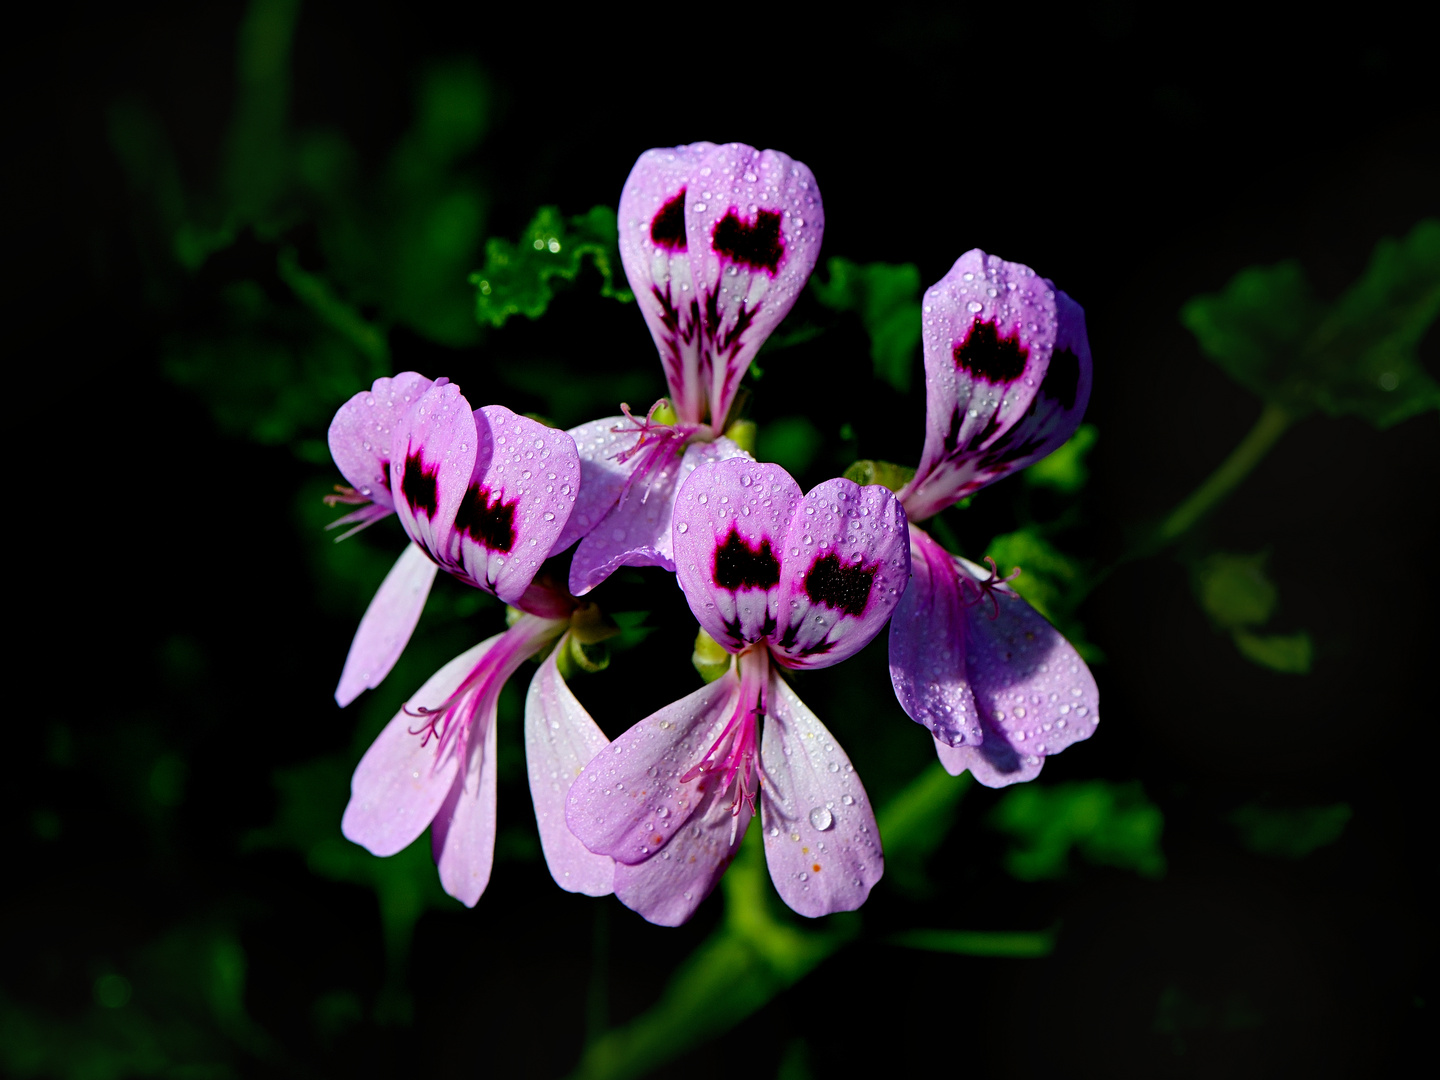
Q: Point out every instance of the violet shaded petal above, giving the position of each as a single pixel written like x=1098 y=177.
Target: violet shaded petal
x=361 y=433
x=927 y=646
x=1034 y=692
x=630 y=800
x=463 y=837
x=637 y=530
x=667 y=888
x=846 y=562
x=731 y=521
x=521 y=492
x=387 y=624
x=560 y=737
x=432 y=458
x=753 y=224
x=989 y=331
x=602 y=478
x=399 y=785
x=821 y=841
x=654 y=252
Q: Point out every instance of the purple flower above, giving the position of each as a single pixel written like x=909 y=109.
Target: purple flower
x=717 y=242
x=483 y=493
x=1007 y=378
x=434 y=765
x=780 y=580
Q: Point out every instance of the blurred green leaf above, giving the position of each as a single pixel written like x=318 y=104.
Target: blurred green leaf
x=1111 y=824
x=791 y=442
x=887 y=298
x=1289 y=654
x=1065 y=469
x=516 y=278
x=1234 y=590
x=1292 y=833
x=887 y=474
x=1357 y=357
x=913 y=824
x=1050 y=581
x=1009 y=943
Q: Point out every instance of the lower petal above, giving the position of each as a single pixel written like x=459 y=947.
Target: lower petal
x=387 y=624
x=463 y=838
x=821 y=841
x=560 y=737
x=994 y=763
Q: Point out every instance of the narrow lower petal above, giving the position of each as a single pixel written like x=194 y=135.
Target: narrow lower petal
x=927 y=647
x=361 y=434
x=845 y=564
x=992 y=331
x=753 y=225
x=730 y=526
x=463 y=838
x=629 y=801
x=667 y=888
x=655 y=253
x=401 y=782
x=821 y=841
x=602 y=477
x=560 y=737
x=387 y=624
x=637 y=530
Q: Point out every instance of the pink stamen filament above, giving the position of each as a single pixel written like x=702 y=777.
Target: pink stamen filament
x=988 y=588
x=734 y=752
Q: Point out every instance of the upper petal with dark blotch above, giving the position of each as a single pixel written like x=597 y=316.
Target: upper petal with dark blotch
x=602 y=477
x=363 y=429
x=636 y=532
x=989 y=329
x=463 y=838
x=846 y=562
x=560 y=737
x=753 y=222
x=387 y=624
x=432 y=458
x=821 y=842
x=629 y=800
x=1034 y=692
x=927 y=646
x=731 y=522
x=521 y=493
x=656 y=256
x=402 y=781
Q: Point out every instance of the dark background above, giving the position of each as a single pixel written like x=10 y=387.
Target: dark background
x=178 y=644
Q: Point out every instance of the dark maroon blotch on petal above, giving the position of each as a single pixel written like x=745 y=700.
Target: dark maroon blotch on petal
x=739 y=566
x=836 y=585
x=491 y=523
x=987 y=355
x=757 y=245
x=668 y=227
x=418 y=486
x=1062 y=378
x=385 y=474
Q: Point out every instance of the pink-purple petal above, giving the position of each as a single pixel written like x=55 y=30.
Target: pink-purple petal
x=560 y=737
x=388 y=622
x=463 y=837
x=520 y=495
x=988 y=330
x=362 y=431
x=754 y=222
x=655 y=254
x=821 y=842
x=667 y=888
x=399 y=785
x=730 y=524
x=927 y=647
x=629 y=800
x=846 y=561
x=637 y=530
x=602 y=477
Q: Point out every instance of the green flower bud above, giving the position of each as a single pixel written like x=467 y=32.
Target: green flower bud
x=710 y=658
x=742 y=434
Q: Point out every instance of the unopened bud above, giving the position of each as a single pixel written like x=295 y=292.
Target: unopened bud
x=710 y=658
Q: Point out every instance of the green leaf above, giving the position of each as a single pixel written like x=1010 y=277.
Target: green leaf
x=887 y=298
x=1291 y=833
x=1289 y=654
x=1234 y=590
x=1064 y=469
x=1017 y=944
x=516 y=278
x=1110 y=824
x=1356 y=357
x=791 y=442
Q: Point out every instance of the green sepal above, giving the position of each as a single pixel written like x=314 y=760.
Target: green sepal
x=742 y=434
x=710 y=658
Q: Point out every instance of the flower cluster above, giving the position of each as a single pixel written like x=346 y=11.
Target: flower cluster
x=717 y=242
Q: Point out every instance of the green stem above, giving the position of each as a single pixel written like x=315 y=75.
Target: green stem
x=1273 y=422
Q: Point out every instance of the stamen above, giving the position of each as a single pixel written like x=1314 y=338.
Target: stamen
x=347 y=495
x=988 y=588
